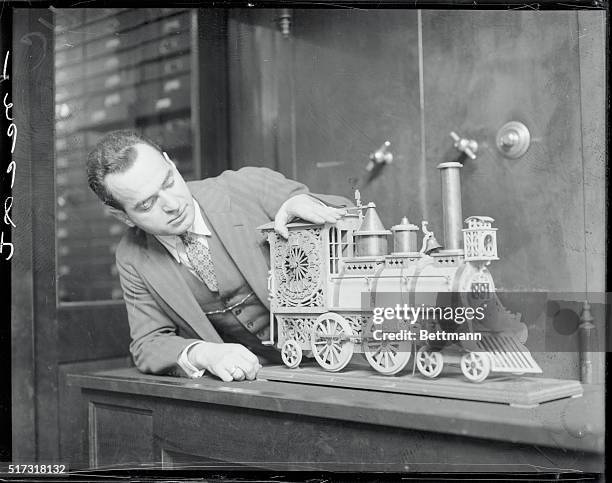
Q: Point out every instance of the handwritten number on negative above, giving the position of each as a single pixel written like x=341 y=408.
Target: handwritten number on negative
x=6 y=244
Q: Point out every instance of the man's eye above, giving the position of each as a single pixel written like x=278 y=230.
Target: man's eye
x=146 y=206
x=169 y=183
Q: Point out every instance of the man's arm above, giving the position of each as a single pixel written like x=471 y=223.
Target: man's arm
x=155 y=347
x=282 y=199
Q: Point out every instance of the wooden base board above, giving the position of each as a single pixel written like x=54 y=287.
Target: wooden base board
x=520 y=391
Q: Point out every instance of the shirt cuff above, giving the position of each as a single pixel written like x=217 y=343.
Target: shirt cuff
x=183 y=362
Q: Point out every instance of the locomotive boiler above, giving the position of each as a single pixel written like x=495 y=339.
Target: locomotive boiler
x=328 y=283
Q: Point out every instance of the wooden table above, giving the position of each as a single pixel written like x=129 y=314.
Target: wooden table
x=132 y=418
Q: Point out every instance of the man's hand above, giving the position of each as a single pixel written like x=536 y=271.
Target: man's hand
x=229 y=362
x=305 y=207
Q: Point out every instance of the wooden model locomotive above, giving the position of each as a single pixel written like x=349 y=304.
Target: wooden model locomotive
x=325 y=281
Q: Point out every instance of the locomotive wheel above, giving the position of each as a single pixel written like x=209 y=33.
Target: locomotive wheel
x=385 y=356
x=330 y=342
x=475 y=366
x=388 y=359
x=291 y=353
x=429 y=362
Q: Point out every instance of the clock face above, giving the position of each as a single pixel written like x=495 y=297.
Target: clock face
x=298 y=267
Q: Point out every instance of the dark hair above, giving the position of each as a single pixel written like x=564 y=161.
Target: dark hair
x=114 y=153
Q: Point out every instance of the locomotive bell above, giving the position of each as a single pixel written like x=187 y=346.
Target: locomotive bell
x=371 y=239
x=431 y=244
x=429 y=240
x=404 y=237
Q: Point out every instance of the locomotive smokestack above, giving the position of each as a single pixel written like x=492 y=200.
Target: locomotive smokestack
x=450 y=174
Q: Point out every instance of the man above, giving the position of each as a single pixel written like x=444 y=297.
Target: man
x=193 y=266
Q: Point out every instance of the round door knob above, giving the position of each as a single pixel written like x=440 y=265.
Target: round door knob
x=513 y=139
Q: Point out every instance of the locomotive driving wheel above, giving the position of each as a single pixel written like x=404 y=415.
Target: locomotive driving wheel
x=385 y=356
x=291 y=353
x=429 y=362
x=475 y=366
x=331 y=342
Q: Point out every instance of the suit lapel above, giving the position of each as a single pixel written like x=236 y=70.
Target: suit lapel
x=233 y=231
x=236 y=233
x=161 y=272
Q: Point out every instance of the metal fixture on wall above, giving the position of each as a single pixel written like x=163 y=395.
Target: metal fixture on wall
x=284 y=22
x=467 y=146
x=513 y=139
x=381 y=156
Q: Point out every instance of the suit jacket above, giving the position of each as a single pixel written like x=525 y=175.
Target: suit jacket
x=163 y=313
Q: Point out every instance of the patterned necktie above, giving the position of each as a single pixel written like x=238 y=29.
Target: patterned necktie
x=200 y=258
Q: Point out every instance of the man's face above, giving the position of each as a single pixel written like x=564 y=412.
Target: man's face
x=153 y=194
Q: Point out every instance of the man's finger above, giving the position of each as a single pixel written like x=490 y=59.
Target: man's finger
x=280 y=226
x=330 y=217
x=238 y=374
x=335 y=212
x=319 y=214
x=223 y=374
x=313 y=217
x=252 y=374
x=250 y=368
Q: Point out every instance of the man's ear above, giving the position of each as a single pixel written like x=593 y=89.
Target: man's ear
x=120 y=215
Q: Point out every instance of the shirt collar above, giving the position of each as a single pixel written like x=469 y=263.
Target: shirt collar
x=198 y=227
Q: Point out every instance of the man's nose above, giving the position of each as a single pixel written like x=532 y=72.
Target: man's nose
x=169 y=203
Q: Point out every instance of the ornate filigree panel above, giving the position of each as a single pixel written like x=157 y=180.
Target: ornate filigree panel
x=296 y=328
x=300 y=328
x=357 y=322
x=297 y=265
